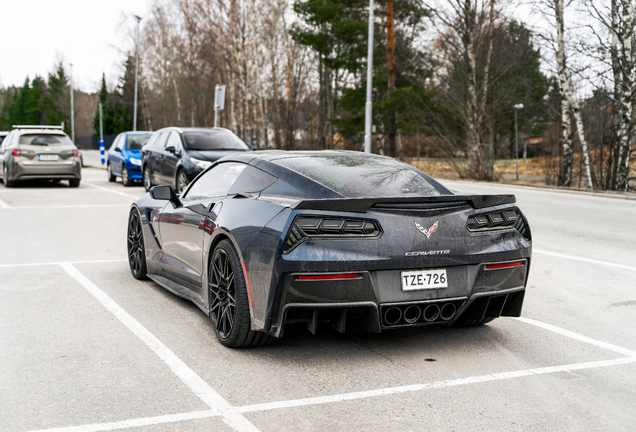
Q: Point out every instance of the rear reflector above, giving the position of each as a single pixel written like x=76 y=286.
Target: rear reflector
x=505 y=265
x=328 y=277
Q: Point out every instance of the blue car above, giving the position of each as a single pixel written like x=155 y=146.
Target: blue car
x=124 y=157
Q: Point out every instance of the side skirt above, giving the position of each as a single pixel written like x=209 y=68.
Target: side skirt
x=176 y=289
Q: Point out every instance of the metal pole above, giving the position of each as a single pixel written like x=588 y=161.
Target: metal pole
x=72 y=108
x=216 y=112
x=516 y=143
x=101 y=134
x=368 y=115
x=138 y=18
x=525 y=150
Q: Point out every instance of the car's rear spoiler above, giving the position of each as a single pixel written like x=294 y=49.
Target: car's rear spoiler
x=361 y=205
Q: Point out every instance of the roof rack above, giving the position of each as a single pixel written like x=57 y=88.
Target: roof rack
x=37 y=127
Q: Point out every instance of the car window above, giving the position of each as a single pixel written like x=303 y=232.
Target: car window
x=215 y=182
x=174 y=140
x=136 y=142
x=44 y=139
x=115 y=143
x=161 y=141
x=252 y=180
x=153 y=139
x=213 y=140
x=119 y=141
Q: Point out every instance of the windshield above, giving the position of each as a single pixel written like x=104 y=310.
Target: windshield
x=361 y=176
x=213 y=140
x=136 y=142
x=45 y=139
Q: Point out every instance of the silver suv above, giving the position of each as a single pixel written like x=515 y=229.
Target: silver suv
x=39 y=152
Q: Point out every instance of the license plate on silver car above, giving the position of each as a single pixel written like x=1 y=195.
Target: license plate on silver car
x=424 y=279
x=47 y=157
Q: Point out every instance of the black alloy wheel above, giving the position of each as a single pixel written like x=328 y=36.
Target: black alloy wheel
x=229 y=304
x=135 y=243
x=111 y=176
x=146 y=179
x=182 y=181
x=125 y=179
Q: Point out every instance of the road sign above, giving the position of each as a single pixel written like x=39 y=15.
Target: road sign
x=219 y=97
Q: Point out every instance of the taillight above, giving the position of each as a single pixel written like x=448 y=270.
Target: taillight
x=18 y=153
x=502 y=219
x=71 y=152
x=320 y=227
x=503 y=265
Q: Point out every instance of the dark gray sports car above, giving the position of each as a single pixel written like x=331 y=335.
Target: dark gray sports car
x=346 y=239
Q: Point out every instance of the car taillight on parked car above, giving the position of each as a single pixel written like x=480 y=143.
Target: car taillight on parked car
x=19 y=153
x=75 y=152
x=320 y=227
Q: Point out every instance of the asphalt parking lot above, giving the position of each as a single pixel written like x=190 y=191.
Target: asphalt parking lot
x=85 y=347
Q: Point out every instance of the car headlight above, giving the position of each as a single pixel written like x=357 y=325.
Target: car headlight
x=200 y=164
x=135 y=161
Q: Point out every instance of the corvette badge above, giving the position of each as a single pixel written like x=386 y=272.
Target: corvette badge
x=424 y=231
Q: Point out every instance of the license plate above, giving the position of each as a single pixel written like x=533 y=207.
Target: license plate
x=424 y=279
x=47 y=157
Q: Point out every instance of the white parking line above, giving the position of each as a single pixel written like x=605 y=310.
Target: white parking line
x=111 y=190
x=341 y=397
x=60 y=263
x=577 y=258
x=64 y=206
x=199 y=386
x=4 y=204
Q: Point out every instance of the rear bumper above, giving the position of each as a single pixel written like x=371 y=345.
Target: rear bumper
x=65 y=170
x=362 y=303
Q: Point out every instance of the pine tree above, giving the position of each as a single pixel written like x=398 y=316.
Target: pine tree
x=57 y=104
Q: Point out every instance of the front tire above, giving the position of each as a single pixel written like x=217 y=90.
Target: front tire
x=146 y=179
x=125 y=178
x=109 y=172
x=228 y=299
x=136 y=247
x=182 y=181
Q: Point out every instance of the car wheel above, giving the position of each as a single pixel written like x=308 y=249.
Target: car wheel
x=74 y=183
x=182 y=181
x=111 y=176
x=229 y=304
x=147 y=180
x=472 y=322
x=124 y=177
x=136 y=248
x=7 y=183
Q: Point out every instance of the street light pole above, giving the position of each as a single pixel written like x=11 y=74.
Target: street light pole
x=368 y=114
x=72 y=108
x=138 y=18
x=516 y=108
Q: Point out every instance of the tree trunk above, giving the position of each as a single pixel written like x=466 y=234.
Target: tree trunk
x=626 y=103
x=589 y=168
x=565 y=175
x=390 y=55
x=472 y=130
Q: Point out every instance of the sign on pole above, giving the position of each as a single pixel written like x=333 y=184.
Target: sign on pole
x=219 y=101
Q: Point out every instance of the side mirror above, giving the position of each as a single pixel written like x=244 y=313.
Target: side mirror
x=117 y=149
x=171 y=149
x=165 y=193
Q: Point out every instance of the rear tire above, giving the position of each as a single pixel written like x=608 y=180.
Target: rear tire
x=147 y=179
x=7 y=183
x=125 y=178
x=228 y=300
x=111 y=176
x=136 y=247
x=74 y=183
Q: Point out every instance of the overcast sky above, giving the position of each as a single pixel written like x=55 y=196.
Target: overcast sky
x=88 y=33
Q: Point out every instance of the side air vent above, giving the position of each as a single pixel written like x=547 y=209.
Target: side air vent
x=509 y=218
x=305 y=227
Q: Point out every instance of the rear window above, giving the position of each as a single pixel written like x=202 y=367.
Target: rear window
x=45 y=139
x=362 y=176
x=136 y=142
x=213 y=140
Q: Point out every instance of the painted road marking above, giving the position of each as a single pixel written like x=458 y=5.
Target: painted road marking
x=341 y=397
x=572 y=257
x=65 y=206
x=199 y=386
x=60 y=263
x=4 y=204
x=111 y=190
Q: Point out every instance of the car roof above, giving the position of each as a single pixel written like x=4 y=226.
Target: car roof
x=195 y=129
x=138 y=132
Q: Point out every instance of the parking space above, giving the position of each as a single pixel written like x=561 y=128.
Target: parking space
x=86 y=344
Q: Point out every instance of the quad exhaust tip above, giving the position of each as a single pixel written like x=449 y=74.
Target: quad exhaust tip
x=419 y=313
